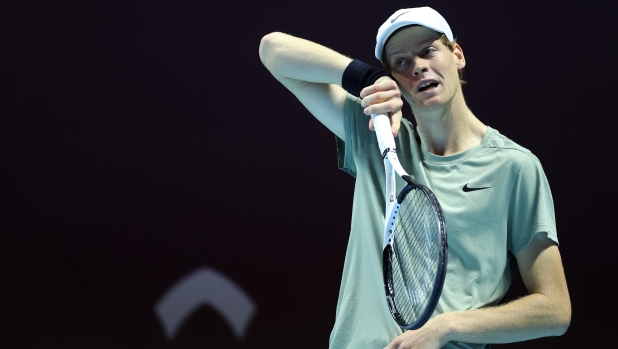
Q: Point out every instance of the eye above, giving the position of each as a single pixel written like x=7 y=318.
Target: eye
x=428 y=51
x=400 y=62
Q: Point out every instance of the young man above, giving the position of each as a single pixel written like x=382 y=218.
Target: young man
x=494 y=194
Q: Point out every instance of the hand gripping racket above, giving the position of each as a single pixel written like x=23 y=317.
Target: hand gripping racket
x=415 y=248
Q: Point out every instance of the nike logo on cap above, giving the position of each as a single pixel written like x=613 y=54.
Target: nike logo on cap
x=467 y=189
x=393 y=20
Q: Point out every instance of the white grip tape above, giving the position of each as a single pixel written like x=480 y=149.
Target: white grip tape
x=384 y=134
x=382 y=126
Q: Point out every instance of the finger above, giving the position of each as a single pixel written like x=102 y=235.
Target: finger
x=381 y=86
x=379 y=97
x=396 y=123
x=389 y=107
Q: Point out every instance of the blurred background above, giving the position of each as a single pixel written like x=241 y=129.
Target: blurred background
x=161 y=190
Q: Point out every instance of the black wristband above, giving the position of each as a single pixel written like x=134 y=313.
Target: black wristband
x=358 y=75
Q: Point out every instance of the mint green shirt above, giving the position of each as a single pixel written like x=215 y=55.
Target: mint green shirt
x=484 y=227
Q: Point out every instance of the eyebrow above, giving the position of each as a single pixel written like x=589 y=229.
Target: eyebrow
x=420 y=45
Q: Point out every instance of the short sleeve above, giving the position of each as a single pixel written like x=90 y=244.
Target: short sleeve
x=357 y=134
x=531 y=209
x=360 y=151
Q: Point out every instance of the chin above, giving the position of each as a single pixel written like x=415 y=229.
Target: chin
x=430 y=104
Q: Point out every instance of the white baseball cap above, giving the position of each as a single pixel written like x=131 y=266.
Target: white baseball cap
x=425 y=16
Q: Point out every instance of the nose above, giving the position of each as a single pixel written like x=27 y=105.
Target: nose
x=420 y=67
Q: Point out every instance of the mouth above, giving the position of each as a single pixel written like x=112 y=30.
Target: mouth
x=427 y=85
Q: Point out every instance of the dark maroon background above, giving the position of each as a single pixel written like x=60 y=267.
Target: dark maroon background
x=140 y=141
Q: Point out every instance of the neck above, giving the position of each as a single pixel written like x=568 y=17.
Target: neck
x=451 y=129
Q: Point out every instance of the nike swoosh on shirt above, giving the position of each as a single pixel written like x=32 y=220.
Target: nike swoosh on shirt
x=393 y=20
x=467 y=189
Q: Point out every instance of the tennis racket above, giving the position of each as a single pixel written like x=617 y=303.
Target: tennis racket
x=415 y=247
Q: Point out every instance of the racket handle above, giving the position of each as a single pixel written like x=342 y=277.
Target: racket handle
x=384 y=133
x=382 y=126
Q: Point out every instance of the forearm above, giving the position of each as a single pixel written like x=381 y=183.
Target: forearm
x=292 y=58
x=530 y=317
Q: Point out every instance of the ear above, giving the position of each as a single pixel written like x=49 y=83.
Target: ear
x=461 y=60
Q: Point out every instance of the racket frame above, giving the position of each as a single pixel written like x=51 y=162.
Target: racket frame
x=386 y=143
x=387 y=252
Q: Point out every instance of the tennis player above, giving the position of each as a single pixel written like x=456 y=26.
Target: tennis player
x=495 y=196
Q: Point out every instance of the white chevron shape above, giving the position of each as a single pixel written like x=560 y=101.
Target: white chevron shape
x=201 y=287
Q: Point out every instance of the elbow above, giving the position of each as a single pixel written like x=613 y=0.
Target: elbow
x=266 y=46
x=562 y=319
x=565 y=321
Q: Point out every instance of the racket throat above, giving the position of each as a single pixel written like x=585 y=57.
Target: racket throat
x=409 y=180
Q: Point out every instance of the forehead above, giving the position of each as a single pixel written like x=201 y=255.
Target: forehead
x=410 y=38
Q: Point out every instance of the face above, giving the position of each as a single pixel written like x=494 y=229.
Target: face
x=424 y=67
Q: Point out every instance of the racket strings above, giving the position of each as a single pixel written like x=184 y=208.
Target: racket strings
x=415 y=255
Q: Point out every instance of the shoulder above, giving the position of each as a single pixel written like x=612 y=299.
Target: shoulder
x=508 y=152
x=500 y=142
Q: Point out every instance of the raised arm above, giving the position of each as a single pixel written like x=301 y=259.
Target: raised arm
x=313 y=74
